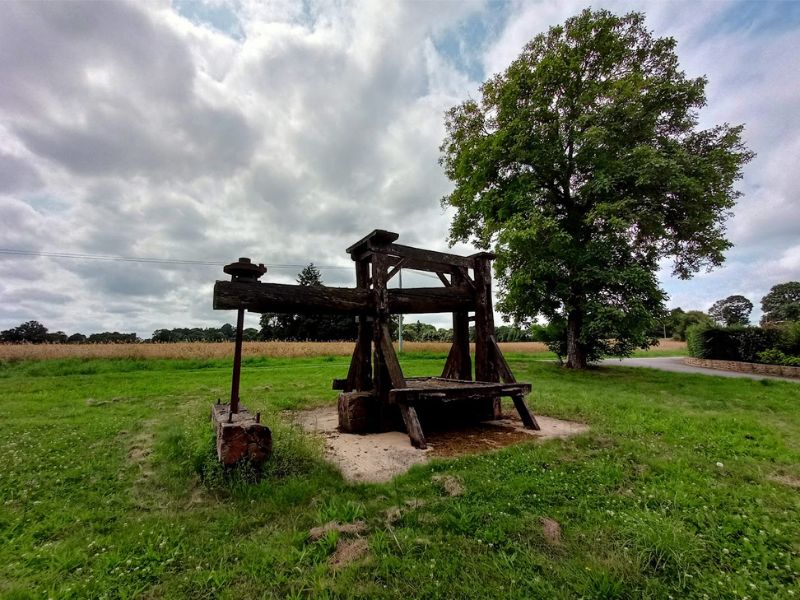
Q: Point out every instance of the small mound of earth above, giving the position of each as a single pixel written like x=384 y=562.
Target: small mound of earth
x=379 y=457
x=348 y=551
x=317 y=533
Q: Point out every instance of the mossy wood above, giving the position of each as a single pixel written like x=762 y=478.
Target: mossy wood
x=376 y=396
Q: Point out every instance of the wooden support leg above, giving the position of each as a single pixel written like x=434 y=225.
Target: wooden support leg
x=525 y=413
x=412 y=426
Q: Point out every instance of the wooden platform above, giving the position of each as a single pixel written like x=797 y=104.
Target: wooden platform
x=422 y=390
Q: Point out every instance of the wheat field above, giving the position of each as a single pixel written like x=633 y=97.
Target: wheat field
x=207 y=350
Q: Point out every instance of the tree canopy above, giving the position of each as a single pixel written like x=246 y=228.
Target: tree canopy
x=782 y=303
x=733 y=310
x=582 y=167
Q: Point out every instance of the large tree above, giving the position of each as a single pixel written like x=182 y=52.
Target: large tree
x=582 y=166
x=733 y=310
x=782 y=303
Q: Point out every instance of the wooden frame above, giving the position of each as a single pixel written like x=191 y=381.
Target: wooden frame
x=375 y=379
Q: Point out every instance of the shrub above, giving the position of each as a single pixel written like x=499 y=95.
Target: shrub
x=752 y=340
x=731 y=343
x=790 y=339
x=718 y=343
x=773 y=356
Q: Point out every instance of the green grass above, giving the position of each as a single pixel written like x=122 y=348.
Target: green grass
x=100 y=492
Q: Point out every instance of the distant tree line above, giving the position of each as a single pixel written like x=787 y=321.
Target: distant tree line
x=33 y=332
x=780 y=306
x=226 y=333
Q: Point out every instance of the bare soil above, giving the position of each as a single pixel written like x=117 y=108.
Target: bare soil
x=348 y=551
x=379 y=457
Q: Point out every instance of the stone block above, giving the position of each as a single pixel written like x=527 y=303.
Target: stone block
x=240 y=437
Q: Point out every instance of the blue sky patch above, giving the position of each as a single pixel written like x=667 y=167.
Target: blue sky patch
x=221 y=17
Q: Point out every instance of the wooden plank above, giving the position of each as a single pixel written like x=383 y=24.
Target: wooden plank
x=434 y=256
x=501 y=364
x=351 y=382
x=430 y=300
x=413 y=426
x=461 y=391
x=524 y=412
x=443 y=279
x=409 y=263
x=450 y=370
x=377 y=237
x=390 y=359
x=296 y=299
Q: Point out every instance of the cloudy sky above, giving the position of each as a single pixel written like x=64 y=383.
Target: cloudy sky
x=204 y=131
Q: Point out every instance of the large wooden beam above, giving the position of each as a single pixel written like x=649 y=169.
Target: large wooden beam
x=317 y=299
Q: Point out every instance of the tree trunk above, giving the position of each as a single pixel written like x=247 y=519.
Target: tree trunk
x=576 y=353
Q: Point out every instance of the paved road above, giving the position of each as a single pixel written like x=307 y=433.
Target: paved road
x=676 y=364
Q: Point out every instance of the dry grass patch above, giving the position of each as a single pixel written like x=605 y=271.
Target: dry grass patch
x=221 y=350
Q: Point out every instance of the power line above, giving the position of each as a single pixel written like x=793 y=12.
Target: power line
x=139 y=259
x=165 y=261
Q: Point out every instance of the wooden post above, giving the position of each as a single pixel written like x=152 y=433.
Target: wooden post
x=459 y=362
x=383 y=381
x=484 y=325
x=363 y=375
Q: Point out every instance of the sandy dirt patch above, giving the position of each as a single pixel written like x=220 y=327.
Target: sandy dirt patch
x=379 y=457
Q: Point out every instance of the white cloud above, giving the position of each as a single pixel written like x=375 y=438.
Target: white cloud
x=130 y=129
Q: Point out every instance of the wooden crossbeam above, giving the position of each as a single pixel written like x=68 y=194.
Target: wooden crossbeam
x=443 y=279
x=395 y=269
x=319 y=299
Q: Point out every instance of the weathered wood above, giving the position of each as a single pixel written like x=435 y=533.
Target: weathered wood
x=383 y=381
x=351 y=383
x=318 y=299
x=363 y=374
x=463 y=273
x=500 y=362
x=413 y=426
x=395 y=269
x=377 y=237
x=450 y=370
x=484 y=324
x=524 y=412
x=432 y=256
x=296 y=299
x=454 y=388
x=461 y=337
x=376 y=394
x=358 y=412
x=422 y=265
x=430 y=300
x=390 y=360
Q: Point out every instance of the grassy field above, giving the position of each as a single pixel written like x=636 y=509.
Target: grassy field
x=686 y=486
